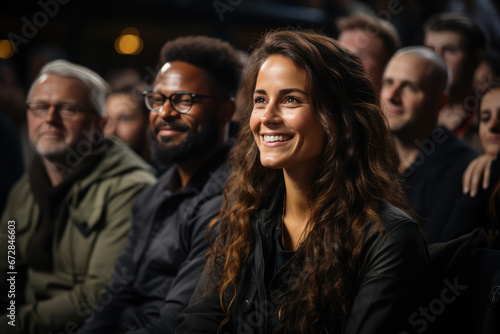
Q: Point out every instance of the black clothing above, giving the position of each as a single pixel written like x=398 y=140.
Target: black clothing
x=158 y=271
x=462 y=287
x=433 y=184
x=282 y=255
x=394 y=271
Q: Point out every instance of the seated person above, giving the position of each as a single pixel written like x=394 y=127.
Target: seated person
x=432 y=158
x=482 y=177
x=128 y=119
x=461 y=42
x=190 y=106
x=71 y=210
x=312 y=237
x=374 y=39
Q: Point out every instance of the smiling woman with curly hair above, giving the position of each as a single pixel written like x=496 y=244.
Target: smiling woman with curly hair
x=311 y=236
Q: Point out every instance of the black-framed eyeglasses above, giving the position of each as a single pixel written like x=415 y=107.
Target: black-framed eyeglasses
x=65 y=110
x=180 y=101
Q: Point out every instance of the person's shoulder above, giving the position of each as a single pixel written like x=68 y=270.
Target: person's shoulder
x=396 y=236
x=393 y=220
x=455 y=149
x=120 y=159
x=119 y=171
x=216 y=172
x=19 y=202
x=21 y=188
x=217 y=178
x=211 y=207
x=391 y=215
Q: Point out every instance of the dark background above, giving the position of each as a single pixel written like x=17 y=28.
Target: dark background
x=85 y=31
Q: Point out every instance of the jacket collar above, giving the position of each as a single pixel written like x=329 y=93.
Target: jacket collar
x=218 y=159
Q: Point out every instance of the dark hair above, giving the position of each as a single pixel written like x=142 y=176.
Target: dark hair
x=380 y=28
x=135 y=92
x=492 y=57
x=491 y=86
x=356 y=172
x=215 y=56
x=476 y=37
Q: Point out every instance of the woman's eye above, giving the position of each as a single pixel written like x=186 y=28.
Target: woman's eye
x=258 y=100
x=292 y=99
x=485 y=119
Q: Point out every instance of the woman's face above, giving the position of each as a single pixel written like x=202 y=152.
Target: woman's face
x=283 y=123
x=489 y=122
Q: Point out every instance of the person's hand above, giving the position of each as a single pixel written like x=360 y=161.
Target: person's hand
x=478 y=170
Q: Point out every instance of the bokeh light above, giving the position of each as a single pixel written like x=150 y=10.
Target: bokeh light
x=7 y=49
x=129 y=42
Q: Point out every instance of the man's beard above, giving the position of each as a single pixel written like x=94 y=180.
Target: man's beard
x=54 y=153
x=195 y=144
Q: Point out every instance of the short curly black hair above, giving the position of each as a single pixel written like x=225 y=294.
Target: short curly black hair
x=214 y=55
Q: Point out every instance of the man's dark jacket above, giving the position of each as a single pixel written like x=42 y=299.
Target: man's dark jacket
x=433 y=184
x=156 y=275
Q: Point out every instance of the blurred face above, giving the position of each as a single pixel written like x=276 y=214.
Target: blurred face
x=369 y=48
x=126 y=120
x=408 y=95
x=178 y=137
x=283 y=123
x=52 y=134
x=489 y=122
x=451 y=46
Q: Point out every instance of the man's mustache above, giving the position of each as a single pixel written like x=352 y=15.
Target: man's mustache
x=173 y=126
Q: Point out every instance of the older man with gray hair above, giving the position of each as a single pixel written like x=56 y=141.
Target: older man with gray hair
x=66 y=220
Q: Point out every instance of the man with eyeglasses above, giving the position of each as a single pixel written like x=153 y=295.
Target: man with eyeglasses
x=66 y=220
x=191 y=105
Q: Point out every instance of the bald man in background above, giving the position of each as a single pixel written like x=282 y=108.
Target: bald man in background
x=432 y=158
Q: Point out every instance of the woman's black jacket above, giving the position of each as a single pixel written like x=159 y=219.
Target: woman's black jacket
x=394 y=277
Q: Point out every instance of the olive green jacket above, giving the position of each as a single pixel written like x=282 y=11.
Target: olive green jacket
x=90 y=232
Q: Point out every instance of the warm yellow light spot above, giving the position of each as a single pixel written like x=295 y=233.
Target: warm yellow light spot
x=129 y=42
x=7 y=49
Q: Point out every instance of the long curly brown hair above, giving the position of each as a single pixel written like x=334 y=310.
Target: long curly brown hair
x=357 y=171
